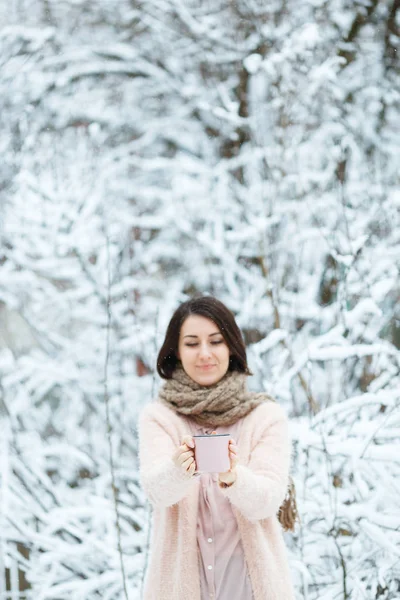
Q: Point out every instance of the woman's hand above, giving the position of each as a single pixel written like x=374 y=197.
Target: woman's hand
x=184 y=456
x=230 y=476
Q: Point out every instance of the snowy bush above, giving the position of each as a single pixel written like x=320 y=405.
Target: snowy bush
x=151 y=150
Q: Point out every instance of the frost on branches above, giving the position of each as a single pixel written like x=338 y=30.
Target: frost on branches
x=151 y=150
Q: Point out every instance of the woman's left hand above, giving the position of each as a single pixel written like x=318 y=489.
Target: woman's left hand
x=230 y=476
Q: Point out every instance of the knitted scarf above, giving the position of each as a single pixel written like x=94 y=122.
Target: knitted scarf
x=222 y=403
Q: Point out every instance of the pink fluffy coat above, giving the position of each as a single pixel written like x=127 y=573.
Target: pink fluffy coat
x=264 y=452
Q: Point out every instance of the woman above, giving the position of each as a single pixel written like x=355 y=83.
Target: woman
x=214 y=536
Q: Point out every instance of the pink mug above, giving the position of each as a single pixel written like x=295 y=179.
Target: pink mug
x=211 y=453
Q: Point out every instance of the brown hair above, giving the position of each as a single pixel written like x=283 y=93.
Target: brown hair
x=211 y=308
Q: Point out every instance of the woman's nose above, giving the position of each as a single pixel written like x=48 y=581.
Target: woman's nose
x=204 y=350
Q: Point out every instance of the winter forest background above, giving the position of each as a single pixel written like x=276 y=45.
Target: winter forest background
x=152 y=149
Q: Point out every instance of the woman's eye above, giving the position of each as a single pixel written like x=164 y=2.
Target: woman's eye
x=212 y=343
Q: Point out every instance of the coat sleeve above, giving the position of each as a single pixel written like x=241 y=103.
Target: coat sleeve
x=162 y=481
x=261 y=485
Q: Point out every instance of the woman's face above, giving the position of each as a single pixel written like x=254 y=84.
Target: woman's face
x=202 y=350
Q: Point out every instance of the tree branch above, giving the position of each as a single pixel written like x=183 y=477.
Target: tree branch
x=359 y=21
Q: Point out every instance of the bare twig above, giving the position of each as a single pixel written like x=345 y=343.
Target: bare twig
x=108 y=421
x=361 y=18
x=277 y=324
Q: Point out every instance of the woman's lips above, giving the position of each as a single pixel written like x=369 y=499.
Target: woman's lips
x=206 y=367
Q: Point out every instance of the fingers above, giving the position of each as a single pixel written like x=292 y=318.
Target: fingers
x=185 y=461
x=234 y=464
x=232 y=447
x=186 y=455
x=233 y=453
x=188 y=440
x=192 y=467
x=188 y=463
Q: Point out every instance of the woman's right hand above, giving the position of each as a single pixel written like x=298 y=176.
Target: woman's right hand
x=184 y=456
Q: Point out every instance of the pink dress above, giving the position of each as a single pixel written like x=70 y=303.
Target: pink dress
x=223 y=570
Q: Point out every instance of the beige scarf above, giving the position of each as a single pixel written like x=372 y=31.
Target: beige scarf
x=222 y=404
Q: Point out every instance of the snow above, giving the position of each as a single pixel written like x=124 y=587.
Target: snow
x=153 y=150
x=252 y=63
